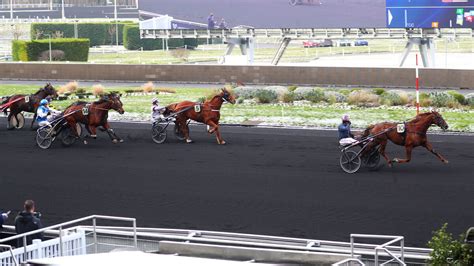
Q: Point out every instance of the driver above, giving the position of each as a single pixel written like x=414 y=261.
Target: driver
x=157 y=111
x=344 y=129
x=45 y=114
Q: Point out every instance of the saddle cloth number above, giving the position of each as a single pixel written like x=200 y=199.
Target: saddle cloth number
x=197 y=108
x=27 y=99
x=85 y=110
x=400 y=128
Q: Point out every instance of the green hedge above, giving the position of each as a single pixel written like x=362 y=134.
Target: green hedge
x=132 y=41
x=98 y=33
x=74 y=49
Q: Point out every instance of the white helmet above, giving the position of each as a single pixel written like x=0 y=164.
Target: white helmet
x=155 y=101
x=345 y=117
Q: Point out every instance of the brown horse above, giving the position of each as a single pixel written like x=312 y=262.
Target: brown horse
x=207 y=113
x=94 y=115
x=29 y=103
x=413 y=136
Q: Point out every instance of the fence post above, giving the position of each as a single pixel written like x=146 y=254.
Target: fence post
x=352 y=247
x=37 y=254
x=94 y=224
x=403 y=247
x=24 y=249
x=82 y=249
x=135 y=240
x=61 y=241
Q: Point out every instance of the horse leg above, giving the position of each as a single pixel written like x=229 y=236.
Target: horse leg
x=383 y=145
x=33 y=121
x=408 y=150
x=111 y=133
x=183 y=126
x=215 y=128
x=429 y=147
x=8 y=120
x=92 y=133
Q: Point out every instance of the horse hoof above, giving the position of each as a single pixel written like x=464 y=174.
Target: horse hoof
x=114 y=141
x=446 y=161
x=85 y=142
x=121 y=140
x=189 y=141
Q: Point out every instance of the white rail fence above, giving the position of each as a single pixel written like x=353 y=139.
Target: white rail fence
x=72 y=244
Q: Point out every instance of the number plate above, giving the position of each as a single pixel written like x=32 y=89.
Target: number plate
x=401 y=128
x=197 y=108
x=27 y=99
x=85 y=110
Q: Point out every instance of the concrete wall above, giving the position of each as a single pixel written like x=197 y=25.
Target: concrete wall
x=386 y=77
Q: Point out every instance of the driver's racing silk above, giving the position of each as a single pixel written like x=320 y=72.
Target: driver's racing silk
x=42 y=114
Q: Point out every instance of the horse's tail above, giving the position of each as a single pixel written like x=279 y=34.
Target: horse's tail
x=367 y=131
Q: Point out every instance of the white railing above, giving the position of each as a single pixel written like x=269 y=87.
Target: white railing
x=72 y=244
x=349 y=261
x=63 y=244
x=383 y=247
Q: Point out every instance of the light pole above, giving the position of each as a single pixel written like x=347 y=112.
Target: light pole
x=11 y=9
x=50 y=56
x=116 y=24
x=62 y=10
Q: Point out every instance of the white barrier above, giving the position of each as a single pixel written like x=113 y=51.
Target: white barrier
x=73 y=244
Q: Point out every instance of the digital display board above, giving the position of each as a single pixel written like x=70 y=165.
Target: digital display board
x=430 y=13
x=273 y=14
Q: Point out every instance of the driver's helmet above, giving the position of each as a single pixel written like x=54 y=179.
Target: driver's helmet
x=44 y=102
x=346 y=118
x=155 y=101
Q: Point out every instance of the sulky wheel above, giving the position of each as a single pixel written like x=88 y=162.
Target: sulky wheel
x=68 y=137
x=16 y=122
x=177 y=132
x=158 y=133
x=373 y=160
x=44 y=137
x=350 y=162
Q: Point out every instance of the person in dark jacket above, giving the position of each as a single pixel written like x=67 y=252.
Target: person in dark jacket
x=26 y=221
x=211 y=23
x=344 y=130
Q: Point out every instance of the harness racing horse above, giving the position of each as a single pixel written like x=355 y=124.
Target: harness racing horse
x=207 y=113
x=94 y=115
x=29 y=103
x=414 y=135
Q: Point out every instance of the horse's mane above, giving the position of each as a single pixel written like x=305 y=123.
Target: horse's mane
x=419 y=117
x=76 y=104
x=101 y=100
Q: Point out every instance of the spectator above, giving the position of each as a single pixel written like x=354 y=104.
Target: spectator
x=3 y=217
x=211 y=24
x=222 y=25
x=26 y=221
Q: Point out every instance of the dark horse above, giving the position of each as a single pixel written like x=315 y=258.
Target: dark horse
x=93 y=115
x=29 y=103
x=414 y=135
x=207 y=113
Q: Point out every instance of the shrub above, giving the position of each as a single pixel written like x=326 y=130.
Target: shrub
x=442 y=99
x=73 y=49
x=449 y=251
x=245 y=92
x=166 y=90
x=70 y=87
x=458 y=96
x=425 y=100
x=334 y=97
x=148 y=87
x=315 y=96
x=301 y=92
x=363 y=98
x=132 y=40
x=266 y=96
x=279 y=90
x=288 y=97
x=98 y=90
x=470 y=99
x=345 y=92
x=378 y=91
x=394 y=97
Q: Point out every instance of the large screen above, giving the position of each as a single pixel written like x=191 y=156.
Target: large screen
x=271 y=14
x=430 y=13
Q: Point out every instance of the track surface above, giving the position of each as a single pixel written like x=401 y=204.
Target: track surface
x=265 y=181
